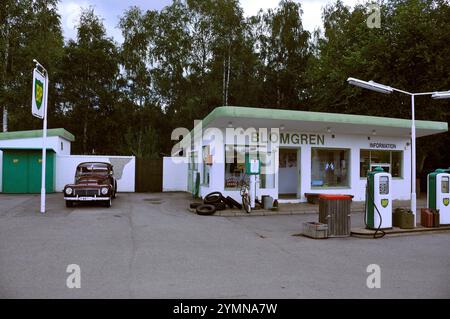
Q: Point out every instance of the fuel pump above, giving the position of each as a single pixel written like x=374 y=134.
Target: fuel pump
x=252 y=168
x=378 y=212
x=438 y=195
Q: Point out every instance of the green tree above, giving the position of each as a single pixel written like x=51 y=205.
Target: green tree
x=90 y=87
x=28 y=30
x=284 y=51
x=408 y=52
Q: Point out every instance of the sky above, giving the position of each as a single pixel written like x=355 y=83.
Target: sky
x=111 y=10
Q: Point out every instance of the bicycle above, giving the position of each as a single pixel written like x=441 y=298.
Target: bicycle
x=245 y=195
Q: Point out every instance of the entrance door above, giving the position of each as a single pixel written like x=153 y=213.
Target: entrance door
x=289 y=173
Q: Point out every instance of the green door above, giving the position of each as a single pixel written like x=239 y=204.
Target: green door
x=15 y=172
x=35 y=172
x=22 y=171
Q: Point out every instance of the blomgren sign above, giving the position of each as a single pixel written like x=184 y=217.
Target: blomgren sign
x=290 y=138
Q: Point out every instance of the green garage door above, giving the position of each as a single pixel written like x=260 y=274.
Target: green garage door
x=22 y=171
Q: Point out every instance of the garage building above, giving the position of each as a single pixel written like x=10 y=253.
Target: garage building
x=21 y=158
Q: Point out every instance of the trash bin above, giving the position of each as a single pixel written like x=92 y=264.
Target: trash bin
x=334 y=210
x=267 y=202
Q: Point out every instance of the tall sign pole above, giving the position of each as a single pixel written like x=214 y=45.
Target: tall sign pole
x=39 y=109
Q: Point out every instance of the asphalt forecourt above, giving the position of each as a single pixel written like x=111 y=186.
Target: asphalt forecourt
x=151 y=246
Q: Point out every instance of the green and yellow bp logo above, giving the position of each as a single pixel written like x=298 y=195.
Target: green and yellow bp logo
x=384 y=202
x=38 y=92
x=445 y=201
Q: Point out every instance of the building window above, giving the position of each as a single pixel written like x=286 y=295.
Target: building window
x=390 y=161
x=330 y=167
x=206 y=166
x=235 y=166
x=62 y=146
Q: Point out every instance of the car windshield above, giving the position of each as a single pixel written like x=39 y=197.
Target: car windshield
x=97 y=169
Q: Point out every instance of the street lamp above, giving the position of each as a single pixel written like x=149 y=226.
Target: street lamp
x=381 y=88
x=441 y=95
x=371 y=85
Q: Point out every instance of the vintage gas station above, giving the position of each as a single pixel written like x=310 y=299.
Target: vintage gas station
x=301 y=154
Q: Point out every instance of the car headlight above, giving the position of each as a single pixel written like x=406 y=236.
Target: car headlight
x=104 y=190
x=68 y=190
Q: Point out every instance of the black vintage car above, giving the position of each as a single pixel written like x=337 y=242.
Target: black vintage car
x=94 y=181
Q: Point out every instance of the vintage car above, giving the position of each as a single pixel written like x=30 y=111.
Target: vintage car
x=94 y=181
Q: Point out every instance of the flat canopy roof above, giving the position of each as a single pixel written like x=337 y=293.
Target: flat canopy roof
x=318 y=122
x=37 y=134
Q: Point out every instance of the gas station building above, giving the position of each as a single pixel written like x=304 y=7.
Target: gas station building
x=300 y=153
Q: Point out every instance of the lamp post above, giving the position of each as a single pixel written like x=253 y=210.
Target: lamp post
x=381 y=88
x=39 y=110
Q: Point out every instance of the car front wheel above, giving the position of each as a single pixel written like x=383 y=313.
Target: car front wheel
x=69 y=203
x=108 y=202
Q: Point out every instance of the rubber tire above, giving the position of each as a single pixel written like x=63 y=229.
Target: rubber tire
x=108 y=202
x=69 y=203
x=194 y=205
x=114 y=190
x=227 y=202
x=206 y=209
x=212 y=198
x=233 y=202
x=220 y=206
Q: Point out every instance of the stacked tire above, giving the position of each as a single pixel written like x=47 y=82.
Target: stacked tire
x=213 y=202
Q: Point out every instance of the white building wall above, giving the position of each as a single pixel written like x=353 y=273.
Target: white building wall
x=174 y=174
x=124 y=169
x=52 y=142
x=401 y=187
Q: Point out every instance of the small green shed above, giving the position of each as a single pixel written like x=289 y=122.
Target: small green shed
x=21 y=159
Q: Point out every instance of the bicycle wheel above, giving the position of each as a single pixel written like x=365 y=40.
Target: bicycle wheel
x=246 y=204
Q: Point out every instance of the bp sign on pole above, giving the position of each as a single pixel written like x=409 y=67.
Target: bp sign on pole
x=37 y=101
x=39 y=109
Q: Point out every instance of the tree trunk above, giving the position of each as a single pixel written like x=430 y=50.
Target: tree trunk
x=5 y=119
x=85 y=135
x=5 y=68
x=223 y=84
x=228 y=76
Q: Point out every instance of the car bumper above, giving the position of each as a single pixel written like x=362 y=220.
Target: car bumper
x=86 y=198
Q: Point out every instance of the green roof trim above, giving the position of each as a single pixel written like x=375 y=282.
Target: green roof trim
x=293 y=115
x=49 y=149
x=37 y=133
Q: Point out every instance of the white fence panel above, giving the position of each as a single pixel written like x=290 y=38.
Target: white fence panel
x=174 y=175
x=124 y=169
